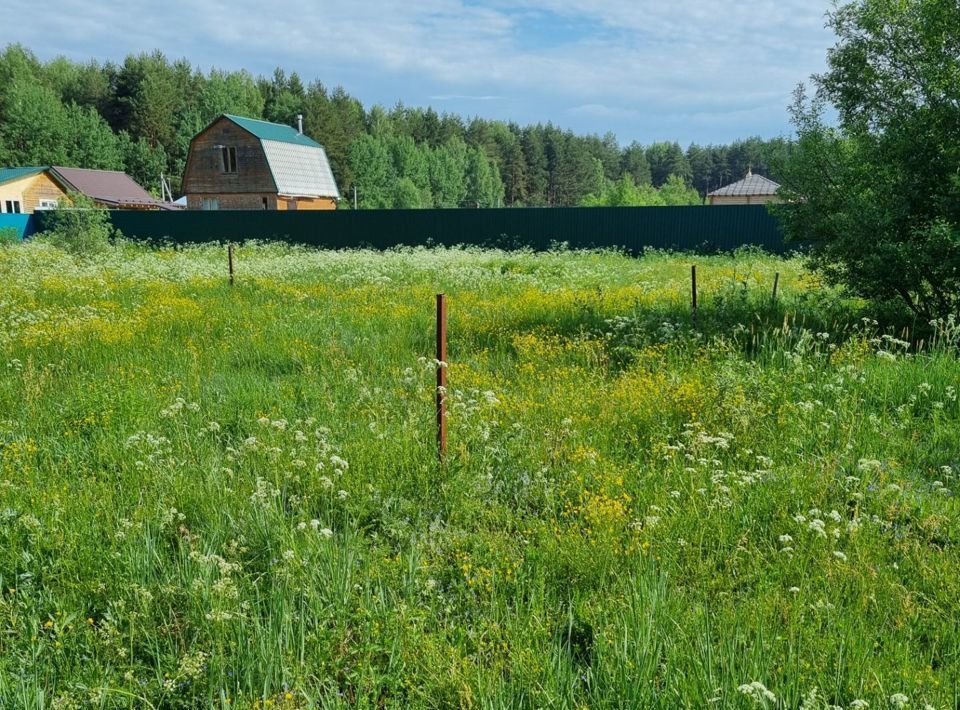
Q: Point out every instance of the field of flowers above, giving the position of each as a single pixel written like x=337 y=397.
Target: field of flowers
x=230 y=497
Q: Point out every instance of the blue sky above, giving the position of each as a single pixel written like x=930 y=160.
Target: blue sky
x=648 y=70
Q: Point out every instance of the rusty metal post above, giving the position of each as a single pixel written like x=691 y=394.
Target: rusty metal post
x=441 y=376
x=693 y=285
x=776 y=282
x=230 y=261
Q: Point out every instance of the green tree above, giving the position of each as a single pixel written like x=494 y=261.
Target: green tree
x=373 y=172
x=447 y=168
x=878 y=195
x=406 y=195
x=676 y=192
x=484 y=188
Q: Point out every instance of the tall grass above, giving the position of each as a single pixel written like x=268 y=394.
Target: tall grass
x=229 y=497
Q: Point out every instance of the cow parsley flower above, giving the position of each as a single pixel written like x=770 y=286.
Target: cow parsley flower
x=758 y=692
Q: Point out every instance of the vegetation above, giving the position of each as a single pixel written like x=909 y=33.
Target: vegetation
x=879 y=195
x=625 y=193
x=80 y=228
x=139 y=116
x=215 y=496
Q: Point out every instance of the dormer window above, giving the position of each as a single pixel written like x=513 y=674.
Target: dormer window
x=228 y=156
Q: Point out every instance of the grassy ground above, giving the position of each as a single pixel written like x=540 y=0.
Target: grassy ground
x=229 y=497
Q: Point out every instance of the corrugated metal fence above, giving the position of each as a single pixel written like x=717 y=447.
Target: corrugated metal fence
x=630 y=228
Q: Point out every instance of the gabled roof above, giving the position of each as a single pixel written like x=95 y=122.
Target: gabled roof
x=750 y=185
x=11 y=174
x=109 y=187
x=299 y=164
x=267 y=131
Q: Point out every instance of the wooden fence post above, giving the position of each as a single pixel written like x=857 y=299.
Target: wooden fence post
x=776 y=282
x=230 y=261
x=693 y=286
x=441 y=376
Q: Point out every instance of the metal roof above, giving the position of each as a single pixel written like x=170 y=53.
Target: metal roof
x=107 y=186
x=299 y=170
x=750 y=185
x=267 y=131
x=11 y=174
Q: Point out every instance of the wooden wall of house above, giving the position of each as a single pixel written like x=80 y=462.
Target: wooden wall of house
x=307 y=203
x=28 y=191
x=204 y=171
x=743 y=199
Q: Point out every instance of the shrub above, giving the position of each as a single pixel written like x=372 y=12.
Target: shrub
x=81 y=228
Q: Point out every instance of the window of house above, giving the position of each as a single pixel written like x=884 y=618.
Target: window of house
x=210 y=203
x=266 y=205
x=228 y=156
x=13 y=206
x=48 y=205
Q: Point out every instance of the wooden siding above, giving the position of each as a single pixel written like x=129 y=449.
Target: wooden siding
x=308 y=203
x=743 y=199
x=28 y=191
x=204 y=174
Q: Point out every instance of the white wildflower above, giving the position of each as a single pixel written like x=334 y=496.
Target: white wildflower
x=758 y=692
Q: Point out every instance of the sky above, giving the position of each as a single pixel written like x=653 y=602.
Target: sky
x=700 y=71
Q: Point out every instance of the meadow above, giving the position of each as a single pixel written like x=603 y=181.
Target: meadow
x=216 y=496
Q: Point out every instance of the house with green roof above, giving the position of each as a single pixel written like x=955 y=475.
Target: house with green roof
x=239 y=163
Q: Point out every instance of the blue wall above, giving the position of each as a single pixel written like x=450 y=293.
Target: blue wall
x=24 y=224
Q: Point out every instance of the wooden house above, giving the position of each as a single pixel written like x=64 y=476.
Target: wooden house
x=752 y=190
x=239 y=163
x=32 y=189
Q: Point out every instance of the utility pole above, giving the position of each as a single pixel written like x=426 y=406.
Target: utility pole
x=354 y=197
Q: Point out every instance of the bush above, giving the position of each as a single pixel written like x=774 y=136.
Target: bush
x=8 y=235
x=82 y=228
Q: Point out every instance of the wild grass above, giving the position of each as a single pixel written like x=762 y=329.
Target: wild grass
x=230 y=497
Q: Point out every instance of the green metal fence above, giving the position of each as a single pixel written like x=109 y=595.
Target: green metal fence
x=630 y=228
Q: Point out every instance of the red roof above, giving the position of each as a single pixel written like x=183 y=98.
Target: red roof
x=110 y=187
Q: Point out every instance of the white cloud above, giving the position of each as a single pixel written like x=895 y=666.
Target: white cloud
x=634 y=58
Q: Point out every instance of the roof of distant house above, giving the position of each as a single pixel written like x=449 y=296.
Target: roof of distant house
x=750 y=185
x=299 y=164
x=11 y=174
x=110 y=187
